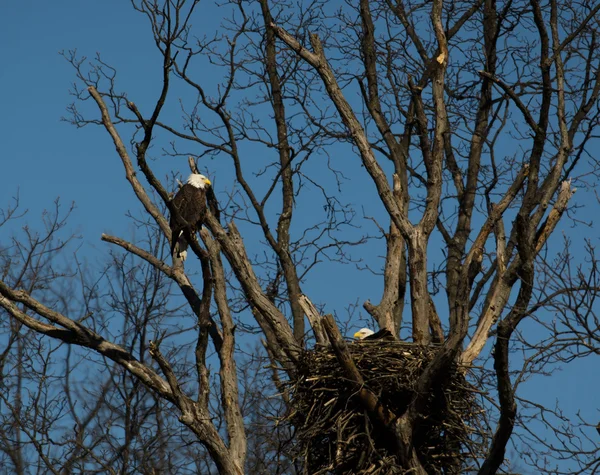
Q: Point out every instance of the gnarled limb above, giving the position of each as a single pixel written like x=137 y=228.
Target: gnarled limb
x=271 y=320
x=319 y=62
x=287 y=206
x=388 y=312
x=130 y=173
x=230 y=398
x=315 y=320
x=500 y=292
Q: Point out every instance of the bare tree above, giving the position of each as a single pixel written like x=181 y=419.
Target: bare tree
x=66 y=410
x=469 y=120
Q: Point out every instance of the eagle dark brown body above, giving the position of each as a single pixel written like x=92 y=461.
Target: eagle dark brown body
x=188 y=211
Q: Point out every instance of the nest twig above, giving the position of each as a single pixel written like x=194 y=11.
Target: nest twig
x=336 y=435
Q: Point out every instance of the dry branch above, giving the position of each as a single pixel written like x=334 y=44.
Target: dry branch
x=315 y=320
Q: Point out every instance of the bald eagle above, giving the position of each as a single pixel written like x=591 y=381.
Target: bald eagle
x=368 y=334
x=188 y=211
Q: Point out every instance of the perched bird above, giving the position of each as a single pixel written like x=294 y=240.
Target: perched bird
x=363 y=333
x=188 y=211
x=368 y=334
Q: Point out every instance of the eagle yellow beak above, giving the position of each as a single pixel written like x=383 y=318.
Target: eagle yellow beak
x=357 y=335
x=207 y=181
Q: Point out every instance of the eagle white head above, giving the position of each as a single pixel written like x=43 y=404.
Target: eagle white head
x=363 y=333
x=199 y=181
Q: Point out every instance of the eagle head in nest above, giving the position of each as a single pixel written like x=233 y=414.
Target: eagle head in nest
x=368 y=334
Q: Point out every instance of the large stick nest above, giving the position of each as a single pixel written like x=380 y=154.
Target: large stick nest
x=336 y=435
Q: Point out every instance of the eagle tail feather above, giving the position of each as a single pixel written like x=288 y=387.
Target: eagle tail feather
x=179 y=243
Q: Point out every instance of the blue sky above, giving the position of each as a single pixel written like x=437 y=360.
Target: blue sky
x=43 y=157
